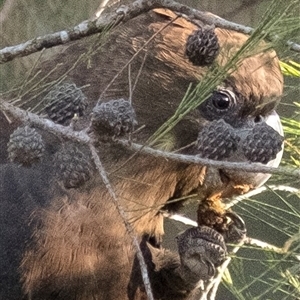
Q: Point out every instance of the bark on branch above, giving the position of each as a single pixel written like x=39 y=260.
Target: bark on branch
x=121 y=15
x=191 y=159
x=83 y=138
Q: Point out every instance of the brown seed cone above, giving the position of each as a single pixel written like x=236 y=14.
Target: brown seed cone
x=202 y=47
x=63 y=102
x=217 y=140
x=25 y=146
x=116 y=117
x=262 y=144
x=73 y=167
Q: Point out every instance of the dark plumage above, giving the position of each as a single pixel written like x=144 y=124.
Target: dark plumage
x=75 y=245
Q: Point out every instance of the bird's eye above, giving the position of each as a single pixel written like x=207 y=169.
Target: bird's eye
x=222 y=104
x=221 y=101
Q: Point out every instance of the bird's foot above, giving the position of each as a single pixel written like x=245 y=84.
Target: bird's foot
x=202 y=250
x=229 y=224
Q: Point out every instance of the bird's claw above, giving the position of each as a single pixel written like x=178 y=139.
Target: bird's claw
x=202 y=250
x=236 y=229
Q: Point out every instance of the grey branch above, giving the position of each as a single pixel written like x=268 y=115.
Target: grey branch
x=121 y=15
x=191 y=159
x=15 y=113
x=83 y=138
x=123 y=214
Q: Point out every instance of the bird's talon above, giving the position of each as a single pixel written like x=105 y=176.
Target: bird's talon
x=236 y=231
x=202 y=250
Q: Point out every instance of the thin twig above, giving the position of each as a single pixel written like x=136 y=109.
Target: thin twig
x=82 y=137
x=124 y=217
x=139 y=72
x=181 y=219
x=122 y=15
x=192 y=159
x=25 y=82
x=264 y=245
x=135 y=55
x=129 y=84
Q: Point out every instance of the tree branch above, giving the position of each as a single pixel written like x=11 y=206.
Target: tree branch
x=191 y=159
x=123 y=214
x=121 y=15
x=83 y=138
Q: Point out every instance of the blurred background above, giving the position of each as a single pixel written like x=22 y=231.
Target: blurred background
x=272 y=216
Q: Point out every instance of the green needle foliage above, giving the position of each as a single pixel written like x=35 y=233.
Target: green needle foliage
x=292 y=140
x=292 y=125
x=290 y=68
x=268 y=272
x=276 y=17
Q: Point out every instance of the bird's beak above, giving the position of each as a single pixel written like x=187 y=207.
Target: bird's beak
x=273 y=121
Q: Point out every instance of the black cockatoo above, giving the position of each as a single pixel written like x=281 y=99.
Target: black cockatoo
x=61 y=234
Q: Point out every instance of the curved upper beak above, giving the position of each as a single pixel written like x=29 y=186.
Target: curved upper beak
x=273 y=121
